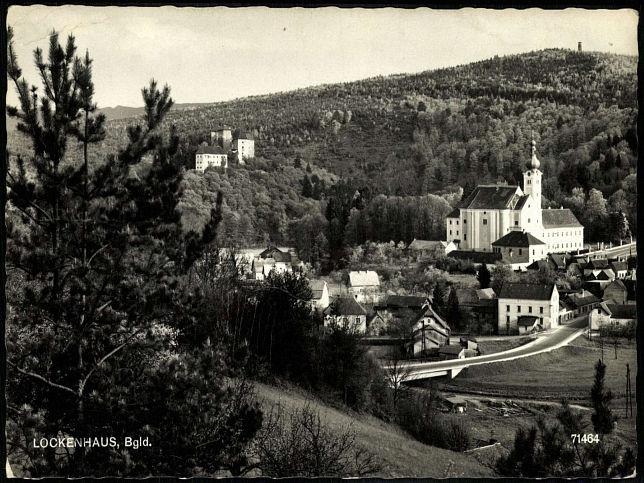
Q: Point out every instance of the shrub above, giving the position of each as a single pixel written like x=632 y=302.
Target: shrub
x=303 y=444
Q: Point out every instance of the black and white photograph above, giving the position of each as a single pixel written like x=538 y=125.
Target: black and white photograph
x=366 y=242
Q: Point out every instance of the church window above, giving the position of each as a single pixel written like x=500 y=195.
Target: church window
x=485 y=221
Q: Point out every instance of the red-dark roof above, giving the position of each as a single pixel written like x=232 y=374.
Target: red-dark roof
x=345 y=306
x=210 y=150
x=451 y=349
x=492 y=197
x=476 y=257
x=526 y=291
x=582 y=299
x=526 y=320
x=597 y=264
x=404 y=301
x=517 y=239
x=559 y=218
x=276 y=254
x=619 y=311
x=455 y=213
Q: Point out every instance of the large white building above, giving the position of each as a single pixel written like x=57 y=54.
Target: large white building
x=208 y=156
x=524 y=308
x=490 y=212
x=244 y=144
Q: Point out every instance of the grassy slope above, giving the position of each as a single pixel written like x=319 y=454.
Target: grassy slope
x=399 y=454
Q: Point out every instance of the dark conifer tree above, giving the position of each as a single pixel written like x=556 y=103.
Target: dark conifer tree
x=484 y=276
x=602 y=417
x=91 y=340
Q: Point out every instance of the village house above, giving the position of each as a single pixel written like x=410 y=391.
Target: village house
x=620 y=269
x=599 y=317
x=273 y=259
x=479 y=304
x=428 y=331
x=346 y=312
x=544 y=264
x=582 y=302
x=611 y=315
x=451 y=352
x=518 y=247
x=616 y=292
x=518 y=300
x=320 y=295
x=492 y=211
x=595 y=265
x=622 y=314
x=398 y=307
x=566 y=310
x=364 y=286
x=559 y=260
x=429 y=249
x=210 y=156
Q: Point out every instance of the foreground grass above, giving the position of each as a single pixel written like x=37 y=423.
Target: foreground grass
x=564 y=372
x=399 y=454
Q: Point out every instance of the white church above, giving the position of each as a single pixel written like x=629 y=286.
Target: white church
x=508 y=220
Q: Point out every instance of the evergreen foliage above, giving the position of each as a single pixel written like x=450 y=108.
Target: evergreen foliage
x=101 y=259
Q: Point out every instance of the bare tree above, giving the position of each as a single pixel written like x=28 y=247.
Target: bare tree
x=303 y=444
x=397 y=372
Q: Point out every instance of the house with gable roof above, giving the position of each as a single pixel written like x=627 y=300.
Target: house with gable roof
x=517 y=300
x=518 y=247
x=364 y=285
x=346 y=312
x=428 y=331
x=210 y=156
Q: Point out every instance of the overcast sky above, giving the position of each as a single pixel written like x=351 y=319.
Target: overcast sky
x=218 y=53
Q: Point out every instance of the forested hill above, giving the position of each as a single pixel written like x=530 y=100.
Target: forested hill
x=418 y=134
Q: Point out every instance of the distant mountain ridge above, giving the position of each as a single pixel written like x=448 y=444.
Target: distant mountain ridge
x=125 y=112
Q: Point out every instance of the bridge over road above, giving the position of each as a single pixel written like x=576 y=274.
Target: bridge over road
x=545 y=342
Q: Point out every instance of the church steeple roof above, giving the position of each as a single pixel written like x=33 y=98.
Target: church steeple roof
x=534 y=162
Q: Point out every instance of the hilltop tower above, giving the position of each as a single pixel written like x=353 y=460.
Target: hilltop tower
x=532 y=177
x=578 y=46
x=222 y=137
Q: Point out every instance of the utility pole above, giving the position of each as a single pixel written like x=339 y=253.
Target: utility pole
x=629 y=397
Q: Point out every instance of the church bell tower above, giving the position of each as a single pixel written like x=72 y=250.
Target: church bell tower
x=532 y=177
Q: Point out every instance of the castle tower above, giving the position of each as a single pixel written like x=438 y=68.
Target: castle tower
x=532 y=177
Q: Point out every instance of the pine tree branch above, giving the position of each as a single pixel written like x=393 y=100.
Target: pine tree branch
x=42 y=379
x=107 y=356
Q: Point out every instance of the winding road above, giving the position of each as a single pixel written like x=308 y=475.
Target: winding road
x=549 y=340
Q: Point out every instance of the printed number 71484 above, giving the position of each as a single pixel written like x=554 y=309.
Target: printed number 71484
x=585 y=438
